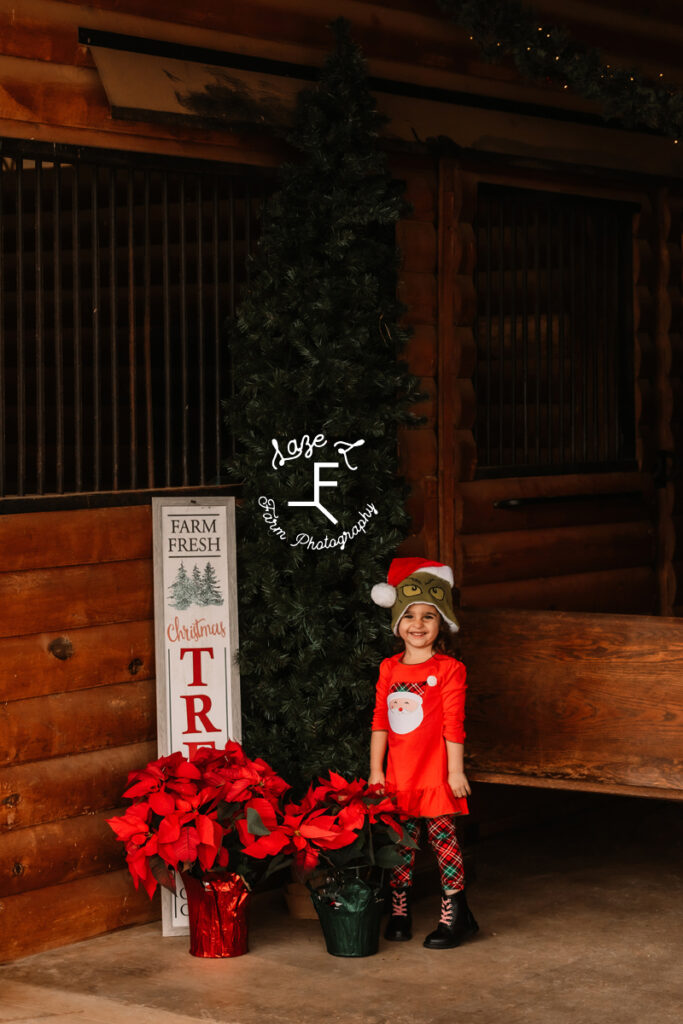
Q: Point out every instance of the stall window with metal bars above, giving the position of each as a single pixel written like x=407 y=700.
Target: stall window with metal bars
x=554 y=332
x=117 y=275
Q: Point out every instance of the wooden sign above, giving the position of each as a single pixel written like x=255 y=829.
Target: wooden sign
x=195 y=611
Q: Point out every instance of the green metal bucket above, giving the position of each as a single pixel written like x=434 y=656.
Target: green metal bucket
x=350 y=917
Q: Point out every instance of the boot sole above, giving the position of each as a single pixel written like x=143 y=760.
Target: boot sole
x=469 y=934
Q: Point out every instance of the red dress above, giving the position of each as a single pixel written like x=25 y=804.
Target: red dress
x=421 y=706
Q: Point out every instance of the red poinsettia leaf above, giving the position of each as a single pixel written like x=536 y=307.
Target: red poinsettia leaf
x=337 y=840
x=353 y=815
x=169 y=829
x=183 y=850
x=267 y=846
x=307 y=859
x=127 y=825
x=208 y=830
x=141 y=788
x=337 y=781
x=187 y=770
x=162 y=803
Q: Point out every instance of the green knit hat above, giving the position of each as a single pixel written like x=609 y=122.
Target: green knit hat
x=416 y=581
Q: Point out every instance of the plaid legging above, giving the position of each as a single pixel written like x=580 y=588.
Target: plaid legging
x=443 y=840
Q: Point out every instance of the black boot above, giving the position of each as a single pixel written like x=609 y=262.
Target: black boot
x=456 y=923
x=398 y=925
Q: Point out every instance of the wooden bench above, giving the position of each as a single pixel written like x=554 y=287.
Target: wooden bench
x=575 y=701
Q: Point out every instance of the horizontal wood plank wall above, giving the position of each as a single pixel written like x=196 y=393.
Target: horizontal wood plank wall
x=575 y=701
x=575 y=542
x=50 y=89
x=77 y=714
x=416 y=236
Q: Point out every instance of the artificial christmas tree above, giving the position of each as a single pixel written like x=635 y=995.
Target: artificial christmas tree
x=319 y=392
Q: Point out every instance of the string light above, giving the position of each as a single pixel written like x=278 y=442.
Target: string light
x=644 y=93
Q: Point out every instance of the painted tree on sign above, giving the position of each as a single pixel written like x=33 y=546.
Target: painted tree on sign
x=181 y=590
x=200 y=588
x=209 y=590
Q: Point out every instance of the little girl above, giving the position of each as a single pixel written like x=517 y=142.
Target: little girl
x=419 y=715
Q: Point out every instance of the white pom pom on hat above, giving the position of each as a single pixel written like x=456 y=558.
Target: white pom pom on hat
x=383 y=594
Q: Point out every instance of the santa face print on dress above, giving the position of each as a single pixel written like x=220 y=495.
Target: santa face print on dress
x=405 y=711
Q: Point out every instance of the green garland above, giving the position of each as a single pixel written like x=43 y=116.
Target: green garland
x=550 y=53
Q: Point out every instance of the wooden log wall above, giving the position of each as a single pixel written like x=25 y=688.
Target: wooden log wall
x=77 y=714
x=578 y=542
x=416 y=236
x=50 y=89
x=575 y=701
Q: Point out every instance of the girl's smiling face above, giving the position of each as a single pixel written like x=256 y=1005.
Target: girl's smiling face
x=418 y=629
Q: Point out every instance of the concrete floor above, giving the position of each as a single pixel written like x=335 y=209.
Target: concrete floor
x=581 y=923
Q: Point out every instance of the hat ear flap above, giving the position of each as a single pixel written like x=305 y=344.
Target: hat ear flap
x=383 y=594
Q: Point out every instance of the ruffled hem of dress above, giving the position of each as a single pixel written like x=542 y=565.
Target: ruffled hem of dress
x=431 y=802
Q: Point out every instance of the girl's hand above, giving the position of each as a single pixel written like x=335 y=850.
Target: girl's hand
x=459 y=784
x=376 y=779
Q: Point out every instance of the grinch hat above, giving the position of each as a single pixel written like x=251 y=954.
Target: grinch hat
x=416 y=581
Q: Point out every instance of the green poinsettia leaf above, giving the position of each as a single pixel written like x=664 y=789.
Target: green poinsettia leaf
x=255 y=823
x=407 y=840
x=161 y=872
x=340 y=858
x=388 y=857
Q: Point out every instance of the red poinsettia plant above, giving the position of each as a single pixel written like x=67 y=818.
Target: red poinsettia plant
x=338 y=825
x=200 y=815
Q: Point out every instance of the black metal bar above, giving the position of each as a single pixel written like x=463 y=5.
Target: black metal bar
x=574 y=336
x=560 y=331
x=501 y=329
x=584 y=330
x=232 y=264
x=217 y=319
x=622 y=338
x=21 y=373
x=510 y=504
x=513 y=336
x=166 y=291
x=549 y=327
x=113 y=340
x=537 y=304
x=489 y=327
x=77 y=365
x=59 y=340
x=525 y=327
x=597 y=340
x=147 y=337
x=183 y=335
x=606 y=380
x=105 y=499
x=201 y=341
x=39 y=327
x=3 y=351
x=132 y=355
x=95 y=278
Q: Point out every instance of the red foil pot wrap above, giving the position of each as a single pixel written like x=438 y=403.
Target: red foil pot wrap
x=217 y=911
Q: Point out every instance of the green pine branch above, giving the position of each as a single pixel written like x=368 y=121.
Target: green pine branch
x=549 y=53
x=316 y=346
